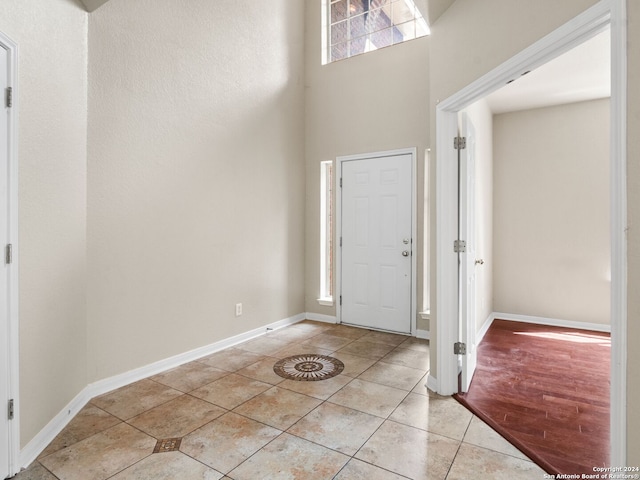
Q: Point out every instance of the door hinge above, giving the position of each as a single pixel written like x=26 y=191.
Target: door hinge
x=340 y=182
x=340 y=241
x=8 y=254
x=459 y=348
x=459 y=246
x=10 y=409
x=459 y=143
x=340 y=299
x=8 y=97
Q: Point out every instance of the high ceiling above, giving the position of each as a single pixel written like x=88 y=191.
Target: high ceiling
x=431 y=9
x=578 y=75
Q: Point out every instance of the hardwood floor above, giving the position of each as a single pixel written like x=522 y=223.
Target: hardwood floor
x=546 y=390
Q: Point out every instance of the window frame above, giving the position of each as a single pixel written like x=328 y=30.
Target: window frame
x=394 y=28
x=326 y=232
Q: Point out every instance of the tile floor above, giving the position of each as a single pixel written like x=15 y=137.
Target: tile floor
x=229 y=416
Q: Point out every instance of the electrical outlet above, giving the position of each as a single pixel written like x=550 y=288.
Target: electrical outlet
x=238 y=309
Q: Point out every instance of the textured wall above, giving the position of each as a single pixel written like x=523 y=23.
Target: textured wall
x=195 y=177
x=552 y=221
x=52 y=131
x=366 y=103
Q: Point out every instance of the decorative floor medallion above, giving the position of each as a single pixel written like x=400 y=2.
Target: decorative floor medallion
x=167 y=445
x=308 y=367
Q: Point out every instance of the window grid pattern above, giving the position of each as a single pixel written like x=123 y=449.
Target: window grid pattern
x=360 y=26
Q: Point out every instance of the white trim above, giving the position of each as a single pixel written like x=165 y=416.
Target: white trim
x=589 y=23
x=484 y=328
x=423 y=334
x=619 y=287
x=318 y=317
x=414 y=223
x=37 y=444
x=326 y=243
x=13 y=320
x=432 y=383
x=326 y=302
x=551 y=322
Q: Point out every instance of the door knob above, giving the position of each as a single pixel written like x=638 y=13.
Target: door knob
x=480 y=262
x=405 y=253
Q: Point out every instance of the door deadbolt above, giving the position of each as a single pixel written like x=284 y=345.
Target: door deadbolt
x=405 y=253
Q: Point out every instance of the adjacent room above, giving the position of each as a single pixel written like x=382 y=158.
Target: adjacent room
x=542 y=256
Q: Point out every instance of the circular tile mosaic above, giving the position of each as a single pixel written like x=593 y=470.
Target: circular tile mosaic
x=308 y=367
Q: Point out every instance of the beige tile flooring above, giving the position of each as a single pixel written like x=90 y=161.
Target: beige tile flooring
x=236 y=419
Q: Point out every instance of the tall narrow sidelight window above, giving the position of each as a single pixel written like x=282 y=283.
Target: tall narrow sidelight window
x=353 y=27
x=326 y=233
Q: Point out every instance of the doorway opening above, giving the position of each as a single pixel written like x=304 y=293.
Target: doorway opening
x=583 y=27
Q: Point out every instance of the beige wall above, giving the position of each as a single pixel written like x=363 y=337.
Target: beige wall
x=368 y=103
x=551 y=229
x=633 y=202
x=51 y=35
x=195 y=177
x=479 y=114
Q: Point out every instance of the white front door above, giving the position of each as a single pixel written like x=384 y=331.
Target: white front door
x=468 y=257
x=4 y=277
x=376 y=229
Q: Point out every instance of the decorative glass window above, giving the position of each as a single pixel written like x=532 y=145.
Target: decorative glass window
x=353 y=27
x=326 y=233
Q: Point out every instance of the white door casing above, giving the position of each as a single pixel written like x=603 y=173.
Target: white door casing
x=4 y=277
x=9 y=429
x=468 y=264
x=376 y=265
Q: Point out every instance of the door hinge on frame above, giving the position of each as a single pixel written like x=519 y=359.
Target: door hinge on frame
x=10 y=412
x=8 y=254
x=459 y=143
x=459 y=246
x=459 y=348
x=340 y=299
x=8 y=97
x=340 y=182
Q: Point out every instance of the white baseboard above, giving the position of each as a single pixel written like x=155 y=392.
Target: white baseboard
x=423 y=334
x=432 y=383
x=318 y=317
x=552 y=322
x=485 y=327
x=38 y=443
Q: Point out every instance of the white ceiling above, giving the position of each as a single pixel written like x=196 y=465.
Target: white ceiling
x=578 y=75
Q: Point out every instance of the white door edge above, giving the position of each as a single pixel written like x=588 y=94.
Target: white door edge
x=414 y=224
x=467 y=291
x=584 y=26
x=13 y=324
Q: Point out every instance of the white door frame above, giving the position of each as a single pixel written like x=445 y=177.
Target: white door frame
x=573 y=33
x=12 y=324
x=414 y=223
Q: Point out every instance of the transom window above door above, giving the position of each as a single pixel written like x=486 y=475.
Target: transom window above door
x=354 y=27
